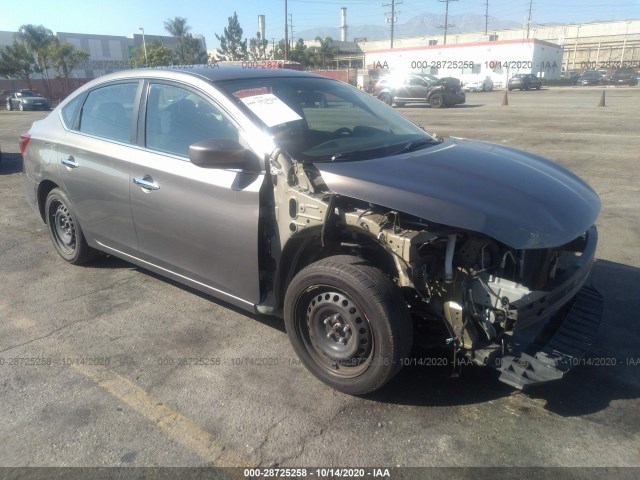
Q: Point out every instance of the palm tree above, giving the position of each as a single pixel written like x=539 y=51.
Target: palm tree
x=37 y=39
x=326 y=49
x=178 y=27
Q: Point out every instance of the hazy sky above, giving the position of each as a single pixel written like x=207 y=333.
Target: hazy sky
x=118 y=17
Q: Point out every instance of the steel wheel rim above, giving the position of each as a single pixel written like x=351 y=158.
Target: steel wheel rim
x=335 y=331
x=62 y=227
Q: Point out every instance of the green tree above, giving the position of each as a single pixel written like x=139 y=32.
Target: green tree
x=322 y=55
x=178 y=27
x=64 y=57
x=17 y=62
x=258 y=47
x=37 y=38
x=232 y=47
x=158 y=55
x=193 y=52
x=299 y=53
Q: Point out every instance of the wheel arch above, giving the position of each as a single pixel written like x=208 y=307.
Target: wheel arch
x=44 y=188
x=305 y=249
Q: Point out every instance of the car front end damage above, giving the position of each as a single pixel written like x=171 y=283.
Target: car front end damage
x=511 y=303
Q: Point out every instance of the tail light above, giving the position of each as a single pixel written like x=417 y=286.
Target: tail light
x=24 y=142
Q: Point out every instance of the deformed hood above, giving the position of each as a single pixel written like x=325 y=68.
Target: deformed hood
x=520 y=199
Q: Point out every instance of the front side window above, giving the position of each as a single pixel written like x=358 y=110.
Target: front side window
x=108 y=111
x=177 y=118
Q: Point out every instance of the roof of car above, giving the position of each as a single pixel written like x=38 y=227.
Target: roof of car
x=217 y=72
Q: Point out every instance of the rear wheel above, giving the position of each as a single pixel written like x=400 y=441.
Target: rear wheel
x=65 y=231
x=348 y=323
x=436 y=100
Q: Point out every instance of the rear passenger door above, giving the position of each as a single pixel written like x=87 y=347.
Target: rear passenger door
x=93 y=162
x=199 y=224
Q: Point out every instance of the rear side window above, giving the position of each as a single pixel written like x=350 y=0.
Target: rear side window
x=107 y=112
x=70 y=111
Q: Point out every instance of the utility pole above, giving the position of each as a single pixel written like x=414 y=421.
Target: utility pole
x=291 y=27
x=286 y=32
x=486 y=19
x=446 y=18
x=529 y=18
x=393 y=18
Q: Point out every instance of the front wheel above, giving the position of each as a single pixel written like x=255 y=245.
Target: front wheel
x=436 y=101
x=21 y=107
x=65 y=231
x=348 y=323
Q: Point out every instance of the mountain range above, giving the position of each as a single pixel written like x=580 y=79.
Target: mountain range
x=422 y=25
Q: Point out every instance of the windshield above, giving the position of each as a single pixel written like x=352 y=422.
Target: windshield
x=319 y=119
x=28 y=93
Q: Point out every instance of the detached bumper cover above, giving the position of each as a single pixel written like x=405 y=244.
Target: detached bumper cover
x=564 y=350
x=546 y=346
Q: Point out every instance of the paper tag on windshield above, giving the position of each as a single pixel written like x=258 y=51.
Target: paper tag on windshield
x=270 y=109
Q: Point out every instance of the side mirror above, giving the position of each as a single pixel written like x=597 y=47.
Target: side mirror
x=222 y=153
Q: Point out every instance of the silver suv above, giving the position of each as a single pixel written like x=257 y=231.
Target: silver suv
x=295 y=195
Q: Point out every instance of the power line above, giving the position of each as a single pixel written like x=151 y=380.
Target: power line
x=446 y=18
x=392 y=18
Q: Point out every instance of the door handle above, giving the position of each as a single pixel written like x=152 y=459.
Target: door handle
x=69 y=162
x=146 y=182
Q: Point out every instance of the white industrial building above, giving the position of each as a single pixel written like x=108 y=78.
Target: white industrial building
x=499 y=59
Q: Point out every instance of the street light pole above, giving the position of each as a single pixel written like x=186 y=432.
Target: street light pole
x=144 y=47
x=575 y=48
x=624 y=44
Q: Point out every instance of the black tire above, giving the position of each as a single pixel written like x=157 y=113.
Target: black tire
x=65 y=231
x=21 y=107
x=538 y=87
x=400 y=104
x=386 y=98
x=436 y=100
x=348 y=323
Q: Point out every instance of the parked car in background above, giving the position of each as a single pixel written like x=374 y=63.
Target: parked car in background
x=479 y=85
x=524 y=81
x=27 y=100
x=290 y=194
x=571 y=75
x=624 y=76
x=590 y=77
x=400 y=89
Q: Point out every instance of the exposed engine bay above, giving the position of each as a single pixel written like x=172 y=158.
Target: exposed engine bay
x=492 y=299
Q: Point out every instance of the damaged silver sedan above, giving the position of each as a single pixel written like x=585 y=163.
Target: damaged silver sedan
x=294 y=195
